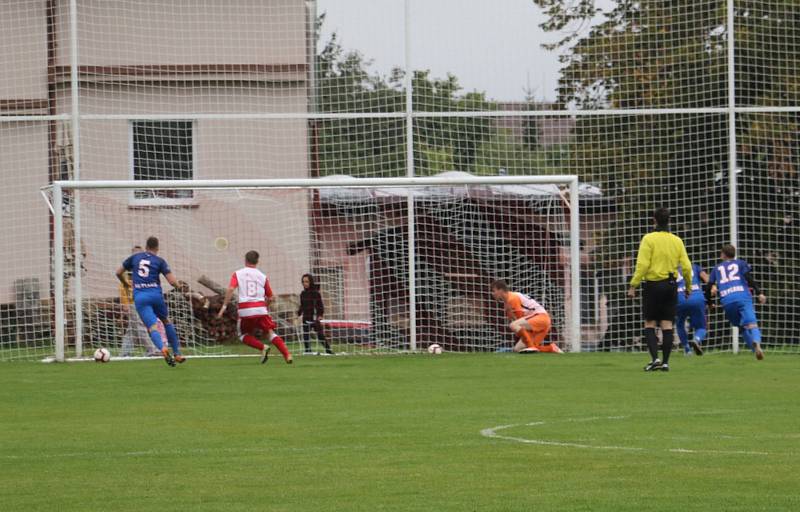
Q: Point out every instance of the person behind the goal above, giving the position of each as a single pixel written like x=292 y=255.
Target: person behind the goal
x=255 y=294
x=310 y=311
x=530 y=322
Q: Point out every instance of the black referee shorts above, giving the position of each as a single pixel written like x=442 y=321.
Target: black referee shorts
x=659 y=300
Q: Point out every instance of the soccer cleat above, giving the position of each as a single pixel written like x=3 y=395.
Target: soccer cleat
x=289 y=360
x=759 y=353
x=696 y=347
x=653 y=365
x=664 y=367
x=168 y=358
x=264 y=354
x=555 y=349
x=529 y=350
x=179 y=359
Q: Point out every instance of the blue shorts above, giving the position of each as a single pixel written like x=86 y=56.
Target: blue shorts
x=695 y=309
x=151 y=307
x=740 y=313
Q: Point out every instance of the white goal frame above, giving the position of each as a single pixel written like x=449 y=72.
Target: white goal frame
x=58 y=188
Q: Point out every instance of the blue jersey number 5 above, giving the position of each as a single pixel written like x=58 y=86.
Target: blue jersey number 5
x=144 y=268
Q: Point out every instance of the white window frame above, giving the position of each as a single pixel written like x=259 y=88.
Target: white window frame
x=160 y=201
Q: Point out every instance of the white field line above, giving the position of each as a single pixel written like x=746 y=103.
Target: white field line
x=178 y=452
x=492 y=433
x=86 y=359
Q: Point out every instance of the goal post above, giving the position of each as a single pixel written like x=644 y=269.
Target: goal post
x=368 y=240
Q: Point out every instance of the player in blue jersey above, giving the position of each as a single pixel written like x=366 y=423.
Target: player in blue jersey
x=692 y=308
x=146 y=269
x=732 y=279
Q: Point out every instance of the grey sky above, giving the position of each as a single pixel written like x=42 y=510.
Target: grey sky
x=490 y=45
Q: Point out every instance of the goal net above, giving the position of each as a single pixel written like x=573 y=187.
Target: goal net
x=400 y=263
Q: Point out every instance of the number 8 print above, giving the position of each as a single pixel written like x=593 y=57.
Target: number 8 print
x=251 y=287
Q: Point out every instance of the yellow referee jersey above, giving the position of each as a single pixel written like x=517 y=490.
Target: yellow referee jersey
x=660 y=253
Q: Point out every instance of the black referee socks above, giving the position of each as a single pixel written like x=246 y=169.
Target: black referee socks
x=652 y=342
x=666 y=344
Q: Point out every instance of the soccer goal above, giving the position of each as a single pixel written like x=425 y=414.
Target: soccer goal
x=401 y=263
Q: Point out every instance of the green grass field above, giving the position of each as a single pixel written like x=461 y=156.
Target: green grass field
x=402 y=433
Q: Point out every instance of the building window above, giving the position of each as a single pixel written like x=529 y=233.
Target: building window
x=162 y=150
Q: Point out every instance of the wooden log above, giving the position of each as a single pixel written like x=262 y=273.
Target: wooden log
x=211 y=285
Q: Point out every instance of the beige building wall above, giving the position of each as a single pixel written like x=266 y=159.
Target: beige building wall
x=23 y=61
x=158 y=57
x=186 y=32
x=24 y=217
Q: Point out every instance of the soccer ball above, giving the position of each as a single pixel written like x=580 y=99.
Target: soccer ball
x=434 y=349
x=102 y=355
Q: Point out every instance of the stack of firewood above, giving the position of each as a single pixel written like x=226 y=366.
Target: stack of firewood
x=206 y=307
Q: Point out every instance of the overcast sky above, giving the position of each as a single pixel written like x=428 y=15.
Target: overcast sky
x=490 y=45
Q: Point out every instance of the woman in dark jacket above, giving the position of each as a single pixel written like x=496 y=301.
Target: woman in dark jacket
x=311 y=308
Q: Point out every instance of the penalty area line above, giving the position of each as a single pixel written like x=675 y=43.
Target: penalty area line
x=493 y=433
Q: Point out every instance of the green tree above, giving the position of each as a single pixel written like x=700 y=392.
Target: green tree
x=377 y=147
x=359 y=147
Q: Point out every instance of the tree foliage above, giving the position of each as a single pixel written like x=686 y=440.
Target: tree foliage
x=659 y=54
x=377 y=146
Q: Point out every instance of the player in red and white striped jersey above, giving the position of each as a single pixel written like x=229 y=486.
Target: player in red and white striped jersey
x=255 y=295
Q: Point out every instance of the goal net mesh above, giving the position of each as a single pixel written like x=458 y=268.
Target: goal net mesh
x=354 y=241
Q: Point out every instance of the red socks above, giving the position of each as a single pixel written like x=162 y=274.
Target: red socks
x=278 y=342
x=252 y=341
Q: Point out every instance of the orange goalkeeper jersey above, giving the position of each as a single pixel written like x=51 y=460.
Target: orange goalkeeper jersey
x=519 y=305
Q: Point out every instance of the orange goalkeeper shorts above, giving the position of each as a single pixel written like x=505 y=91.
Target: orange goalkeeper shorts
x=540 y=327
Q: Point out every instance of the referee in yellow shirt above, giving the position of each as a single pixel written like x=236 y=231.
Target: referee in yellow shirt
x=660 y=254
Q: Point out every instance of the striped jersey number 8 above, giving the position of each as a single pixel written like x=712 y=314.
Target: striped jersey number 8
x=732 y=273
x=144 y=268
x=251 y=287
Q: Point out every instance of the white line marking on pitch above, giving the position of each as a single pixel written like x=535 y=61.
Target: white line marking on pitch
x=492 y=433
x=181 y=452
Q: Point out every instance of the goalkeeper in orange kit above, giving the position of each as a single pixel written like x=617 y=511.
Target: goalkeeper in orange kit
x=529 y=320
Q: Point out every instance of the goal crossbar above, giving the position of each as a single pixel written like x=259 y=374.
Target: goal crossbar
x=342 y=182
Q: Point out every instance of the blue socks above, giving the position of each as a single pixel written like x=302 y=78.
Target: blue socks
x=700 y=334
x=751 y=336
x=683 y=336
x=156 y=337
x=172 y=336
